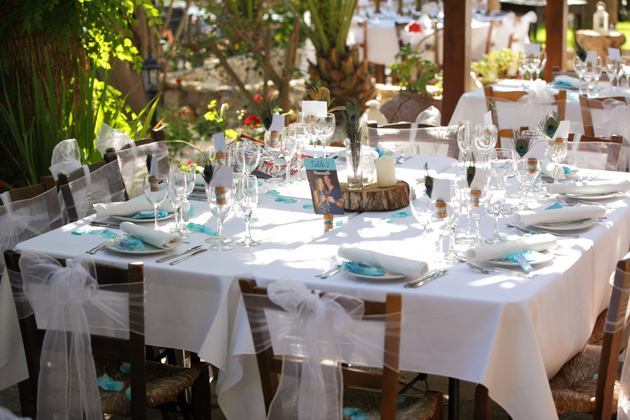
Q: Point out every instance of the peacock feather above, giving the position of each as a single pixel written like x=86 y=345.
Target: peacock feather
x=352 y=128
x=549 y=125
x=265 y=111
x=579 y=50
x=520 y=143
x=470 y=174
x=319 y=93
x=428 y=185
x=149 y=157
x=207 y=172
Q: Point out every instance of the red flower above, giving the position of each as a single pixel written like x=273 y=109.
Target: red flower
x=414 y=27
x=1 y=184
x=253 y=121
x=178 y=81
x=189 y=162
x=257 y=98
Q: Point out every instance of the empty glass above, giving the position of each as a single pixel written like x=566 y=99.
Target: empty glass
x=324 y=128
x=502 y=164
x=579 y=67
x=486 y=137
x=613 y=70
x=248 y=156
x=597 y=74
x=522 y=67
x=440 y=217
x=527 y=170
x=273 y=144
x=191 y=174
x=419 y=202
x=477 y=206
x=290 y=148
x=249 y=191
x=456 y=204
x=177 y=191
x=557 y=151
x=302 y=131
x=464 y=138
x=461 y=189
x=496 y=198
x=156 y=190
x=220 y=201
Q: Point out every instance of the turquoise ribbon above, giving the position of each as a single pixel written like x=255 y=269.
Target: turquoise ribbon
x=194 y=227
x=402 y=214
x=108 y=384
x=307 y=206
x=363 y=268
x=327 y=223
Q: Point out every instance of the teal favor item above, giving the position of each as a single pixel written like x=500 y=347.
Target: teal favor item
x=273 y=192
x=339 y=223
x=130 y=244
x=350 y=411
x=567 y=169
x=554 y=206
x=108 y=384
x=125 y=367
x=150 y=214
x=363 y=269
x=307 y=206
x=401 y=214
x=194 y=227
x=530 y=256
x=286 y=200
x=85 y=232
x=383 y=220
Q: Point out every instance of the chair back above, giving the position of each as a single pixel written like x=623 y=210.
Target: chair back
x=98 y=182
x=103 y=344
x=132 y=161
x=592 y=106
x=424 y=140
x=270 y=366
x=593 y=154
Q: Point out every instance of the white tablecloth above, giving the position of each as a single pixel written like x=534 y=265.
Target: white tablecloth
x=509 y=334
x=193 y=305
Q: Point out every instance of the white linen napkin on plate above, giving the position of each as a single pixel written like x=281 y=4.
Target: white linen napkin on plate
x=572 y=81
x=548 y=168
x=364 y=254
x=129 y=208
x=590 y=187
x=150 y=236
x=564 y=214
x=532 y=243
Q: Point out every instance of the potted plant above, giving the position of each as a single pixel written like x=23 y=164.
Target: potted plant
x=413 y=74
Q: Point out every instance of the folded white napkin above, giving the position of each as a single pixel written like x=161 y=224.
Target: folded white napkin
x=150 y=236
x=548 y=168
x=590 y=187
x=129 y=208
x=364 y=254
x=565 y=214
x=533 y=243
x=574 y=82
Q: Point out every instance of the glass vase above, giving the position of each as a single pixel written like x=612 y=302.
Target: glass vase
x=354 y=168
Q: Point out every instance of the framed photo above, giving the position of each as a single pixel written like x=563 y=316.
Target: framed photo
x=324 y=184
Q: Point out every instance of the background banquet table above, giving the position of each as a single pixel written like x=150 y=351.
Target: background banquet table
x=193 y=305
x=508 y=334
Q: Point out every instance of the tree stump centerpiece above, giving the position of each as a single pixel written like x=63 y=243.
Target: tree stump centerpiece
x=373 y=198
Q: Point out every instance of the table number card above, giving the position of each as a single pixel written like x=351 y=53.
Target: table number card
x=314 y=107
x=614 y=54
x=324 y=184
x=532 y=49
x=591 y=57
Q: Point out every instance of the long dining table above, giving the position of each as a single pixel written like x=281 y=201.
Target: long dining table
x=194 y=306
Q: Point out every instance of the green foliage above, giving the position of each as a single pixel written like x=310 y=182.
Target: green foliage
x=413 y=72
x=502 y=64
x=218 y=119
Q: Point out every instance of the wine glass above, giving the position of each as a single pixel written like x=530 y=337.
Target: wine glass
x=177 y=194
x=486 y=137
x=464 y=137
x=496 y=199
x=290 y=148
x=249 y=156
x=461 y=189
x=249 y=189
x=612 y=70
x=502 y=164
x=597 y=74
x=273 y=144
x=579 y=67
x=533 y=63
x=324 y=128
x=156 y=190
x=220 y=201
x=441 y=217
x=456 y=204
x=527 y=170
x=302 y=134
x=625 y=68
x=191 y=174
x=587 y=75
x=522 y=67
x=557 y=151
x=477 y=202
x=419 y=202
x=542 y=62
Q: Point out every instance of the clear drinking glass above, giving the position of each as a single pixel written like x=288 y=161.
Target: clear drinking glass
x=419 y=202
x=156 y=190
x=273 y=144
x=557 y=151
x=324 y=127
x=522 y=67
x=191 y=174
x=456 y=204
x=612 y=68
x=302 y=132
x=461 y=188
x=289 y=147
x=579 y=67
x=177 y=190
x=542 y=62
x=486 y=138
x=502 y=164
x=496 y=198
x=220 y=201
x=587 y=75
x=249 y=188
x=527 y=170
x=464 y=137
x=249 y=156
x=477 y=206
x=533 y=63
x=440 y=218
x=535 y=136
x=625 y=68
x=597 y=74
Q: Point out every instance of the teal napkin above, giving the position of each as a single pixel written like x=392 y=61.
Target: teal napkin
x=108 y=384
x=530 y=256
x=363 y=268
x=150 y=214
x=401 y=214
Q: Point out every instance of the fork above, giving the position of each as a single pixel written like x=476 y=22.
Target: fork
x=97 y=248
x=499 y=270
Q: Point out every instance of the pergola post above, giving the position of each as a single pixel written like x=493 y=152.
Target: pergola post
x=557 y=17
x=457 y=34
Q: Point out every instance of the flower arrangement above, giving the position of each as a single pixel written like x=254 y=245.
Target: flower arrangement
x=502 y=64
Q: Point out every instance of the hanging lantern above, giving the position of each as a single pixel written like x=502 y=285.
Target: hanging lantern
x=600 y=18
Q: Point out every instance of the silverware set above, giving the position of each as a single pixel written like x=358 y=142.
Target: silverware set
x=483 y=270
x=99 y=223
x=403 y=158
x=329 y=273
x=97 y=248
x=435 y=274
x=189 y=256
x=170 y=257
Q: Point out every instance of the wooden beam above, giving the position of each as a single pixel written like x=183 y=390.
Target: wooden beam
x=557 y=16
x=457 y=34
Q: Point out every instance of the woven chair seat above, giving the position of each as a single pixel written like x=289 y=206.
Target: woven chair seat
x=573 y=388
x=421 y=407
x=164 y=383
x=597 y=336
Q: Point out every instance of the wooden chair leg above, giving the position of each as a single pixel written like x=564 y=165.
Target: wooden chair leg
x=439 y=411
x=483 y=403
x=27 y=399
x=201 y=391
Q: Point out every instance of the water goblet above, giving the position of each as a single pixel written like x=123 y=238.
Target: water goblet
x=220 y=201
x=464 y=137
x=502 y=164
x=290 y=148
x=527 y=170
x=324 y=128
x=177 y=190
x=625 y=70
x=191 y=176
x=587 y=75
x=496 y=199
x=533 y=63
x=477 y=203
x=249 y=188
x=273 y=145
x=156 y=190
x=452 y=255
x=461 y=190
x=542 y=62
x=419 y=202
x=486 y=137
x=597 y=74
x=440 y=218
x=579 y=67
x=557 y=151
x=612 y=70
x=249 y=156
x=522 y=67
x=302 y=133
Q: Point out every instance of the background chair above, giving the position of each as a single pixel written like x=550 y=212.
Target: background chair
x=270 y=366
x=589 y=105
x=426 y=140
x=594 y=153
x=152 y=384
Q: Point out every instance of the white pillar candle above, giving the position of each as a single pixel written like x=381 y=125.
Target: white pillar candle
x=385 y=171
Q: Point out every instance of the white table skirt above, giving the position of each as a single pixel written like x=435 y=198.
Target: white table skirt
x=510 y=335
x=193 y=305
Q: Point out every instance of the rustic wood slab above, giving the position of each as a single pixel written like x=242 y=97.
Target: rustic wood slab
x=373 y=198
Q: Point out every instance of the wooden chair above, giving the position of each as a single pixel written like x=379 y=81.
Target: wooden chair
x=28 y=193
x=270 y=366
x=587 y=104
x=71 y=183
x=574 y=387
x=399 y=134
x=513 y=96
x=599 y=145
x=158 y=384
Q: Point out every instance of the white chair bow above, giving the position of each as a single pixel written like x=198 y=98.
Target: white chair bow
x=66 y=157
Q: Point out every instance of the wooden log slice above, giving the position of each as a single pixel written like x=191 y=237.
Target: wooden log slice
x=373 y=198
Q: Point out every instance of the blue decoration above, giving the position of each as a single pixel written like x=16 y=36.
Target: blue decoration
x=128 y=393
x=130 y=244
x=360 y=416
x=108 y=384
x=307 y=206
x=339 y=223
x=530 y=256
x=401 y=214
x=554 y=206
x=125 y=367
x=401 y=399
x=85 y=232
x=260 y=183
x=108 y=234
x=384 y=220
x=350 y=411
x=363 y=268
x=273 y=192
x=150 y=214
x=194 y=227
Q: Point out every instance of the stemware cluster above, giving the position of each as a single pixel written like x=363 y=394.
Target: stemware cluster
x=532 y=64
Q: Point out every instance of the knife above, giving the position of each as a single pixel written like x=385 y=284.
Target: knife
x=426 y=279
x=332 y=272
x=189 y=256
x=170 y=257
x=326 y=273
x=105 y=224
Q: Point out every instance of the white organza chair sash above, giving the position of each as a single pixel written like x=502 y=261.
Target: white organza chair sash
x=432 y=141
x=613 y=119
x=25 y=219
x=101 y=186
x=69 y=303
x=315 y=335
x=602 y=156
x=66 y=157
x=133 y=164
x=528 y=111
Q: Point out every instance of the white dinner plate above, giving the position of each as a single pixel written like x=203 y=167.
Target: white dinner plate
x=571 y=175
x=547 y=256
x=148 y=249
x=578 y=224
x=152 y=219
x=592 y=197
x=387 y=276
